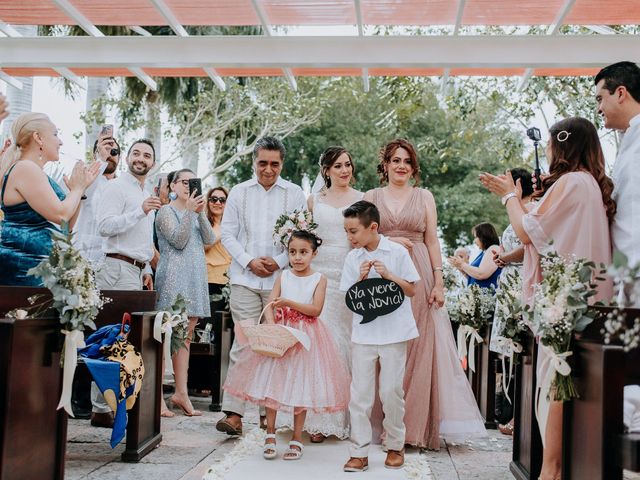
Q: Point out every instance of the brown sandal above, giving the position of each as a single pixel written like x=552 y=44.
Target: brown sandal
x=506 y=429
x=225 y=426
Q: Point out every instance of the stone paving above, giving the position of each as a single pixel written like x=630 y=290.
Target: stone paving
x=191 y=444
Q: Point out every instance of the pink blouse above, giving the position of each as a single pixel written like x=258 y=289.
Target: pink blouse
x=577 y=225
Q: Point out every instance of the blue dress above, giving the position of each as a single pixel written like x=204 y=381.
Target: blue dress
x=25 y=239
x=182 y=268
x=492 y=281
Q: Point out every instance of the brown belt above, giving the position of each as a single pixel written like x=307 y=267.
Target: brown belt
x=130 y=260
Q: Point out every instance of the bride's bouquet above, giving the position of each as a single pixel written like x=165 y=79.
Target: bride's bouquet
x=287 y=223
x=561 y=306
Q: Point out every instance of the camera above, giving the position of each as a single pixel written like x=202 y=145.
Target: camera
x=534 y=134
x=115 y=152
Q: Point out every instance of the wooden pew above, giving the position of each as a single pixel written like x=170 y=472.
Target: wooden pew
x=208 y=363
x=527 y=444
x=143 y=426
x=600 y=373
x=483 y=380
x=33 y=434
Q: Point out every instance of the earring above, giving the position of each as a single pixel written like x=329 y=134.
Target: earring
x=173 y=196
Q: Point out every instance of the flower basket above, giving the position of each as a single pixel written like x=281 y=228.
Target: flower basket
x=271 y=340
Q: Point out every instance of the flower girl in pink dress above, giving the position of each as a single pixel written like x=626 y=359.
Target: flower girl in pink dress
x=300 y=380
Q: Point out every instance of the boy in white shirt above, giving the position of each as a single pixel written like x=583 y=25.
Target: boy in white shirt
x=383 y=340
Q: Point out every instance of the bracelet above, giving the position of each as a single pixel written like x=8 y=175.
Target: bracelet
x=436 y=269
x=508 y=196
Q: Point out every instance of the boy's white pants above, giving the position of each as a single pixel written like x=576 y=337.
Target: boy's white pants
x=392 y=359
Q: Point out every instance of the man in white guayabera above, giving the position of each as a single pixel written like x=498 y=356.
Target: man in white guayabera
x=247 y=233
x=618 y=99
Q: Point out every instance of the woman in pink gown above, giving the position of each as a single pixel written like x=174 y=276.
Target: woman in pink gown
x=438 y=397
x=574 y=212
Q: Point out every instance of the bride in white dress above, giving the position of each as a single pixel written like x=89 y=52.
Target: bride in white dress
x=336 y=194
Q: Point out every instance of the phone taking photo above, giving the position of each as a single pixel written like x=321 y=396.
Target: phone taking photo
x=107 y=131
x=195 y=185
x=158 y=187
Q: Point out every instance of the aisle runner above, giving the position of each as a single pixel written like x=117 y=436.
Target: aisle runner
x=319 y=462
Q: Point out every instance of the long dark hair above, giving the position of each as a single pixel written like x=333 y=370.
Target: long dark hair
x=575 y=146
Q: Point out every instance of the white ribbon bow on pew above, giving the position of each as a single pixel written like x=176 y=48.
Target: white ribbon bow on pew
x=163 y=327
x=551 y=364
x=73 y=341
x=464 y=332
x=511 y=347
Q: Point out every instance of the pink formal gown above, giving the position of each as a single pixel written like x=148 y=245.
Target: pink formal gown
x=438 y=398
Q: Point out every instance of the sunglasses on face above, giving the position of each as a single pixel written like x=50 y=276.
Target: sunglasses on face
x=214 y=199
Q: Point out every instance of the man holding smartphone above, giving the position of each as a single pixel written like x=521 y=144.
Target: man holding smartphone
x=126 y=226
x=87 y=239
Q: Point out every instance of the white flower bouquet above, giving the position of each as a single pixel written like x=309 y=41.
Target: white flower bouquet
x=510 y=307
x=287 y=223
x=471 y=307
x=626 y=280
x=70 y=278
x=561 y=307
x=511 y=324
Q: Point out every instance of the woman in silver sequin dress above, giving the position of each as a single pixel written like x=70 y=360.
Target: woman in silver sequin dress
x=183 y=230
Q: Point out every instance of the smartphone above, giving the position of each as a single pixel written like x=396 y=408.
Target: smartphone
x=107 y=131
x=158 y=187
x=195 y=185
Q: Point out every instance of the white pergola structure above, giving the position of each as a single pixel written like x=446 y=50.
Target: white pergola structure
x=276 y=54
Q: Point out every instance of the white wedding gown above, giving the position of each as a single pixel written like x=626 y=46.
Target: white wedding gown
x=335 y=314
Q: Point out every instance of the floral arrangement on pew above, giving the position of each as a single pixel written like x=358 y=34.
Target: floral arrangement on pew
x=561 y=307
x=509 y=304
x=451 y=278
x=173 y=323
x=71 y=281
x=287 y=223
x=627 y=285
x=471 y=307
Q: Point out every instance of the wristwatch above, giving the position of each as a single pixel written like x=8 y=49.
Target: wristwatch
x=509 y=195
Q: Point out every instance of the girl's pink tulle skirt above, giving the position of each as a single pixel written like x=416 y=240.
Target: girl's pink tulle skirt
x=315 y=380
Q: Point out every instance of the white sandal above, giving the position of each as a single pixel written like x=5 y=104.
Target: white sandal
x=293 y=453
x=269 y=451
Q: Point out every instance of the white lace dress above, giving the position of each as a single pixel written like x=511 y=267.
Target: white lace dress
x=335 y=314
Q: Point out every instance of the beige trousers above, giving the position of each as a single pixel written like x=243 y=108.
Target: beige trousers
x=392 y=360
x=117 y=274
x=246 y=304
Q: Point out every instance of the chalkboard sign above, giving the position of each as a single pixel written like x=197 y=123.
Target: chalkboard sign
x=374 y=297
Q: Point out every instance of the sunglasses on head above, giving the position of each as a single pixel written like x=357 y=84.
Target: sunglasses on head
x=214 y=199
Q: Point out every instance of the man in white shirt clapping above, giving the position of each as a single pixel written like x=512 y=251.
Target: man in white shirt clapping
x=247 y=233
x=618 y=98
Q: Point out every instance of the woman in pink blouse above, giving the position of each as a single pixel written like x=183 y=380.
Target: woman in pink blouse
x=574 y=211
